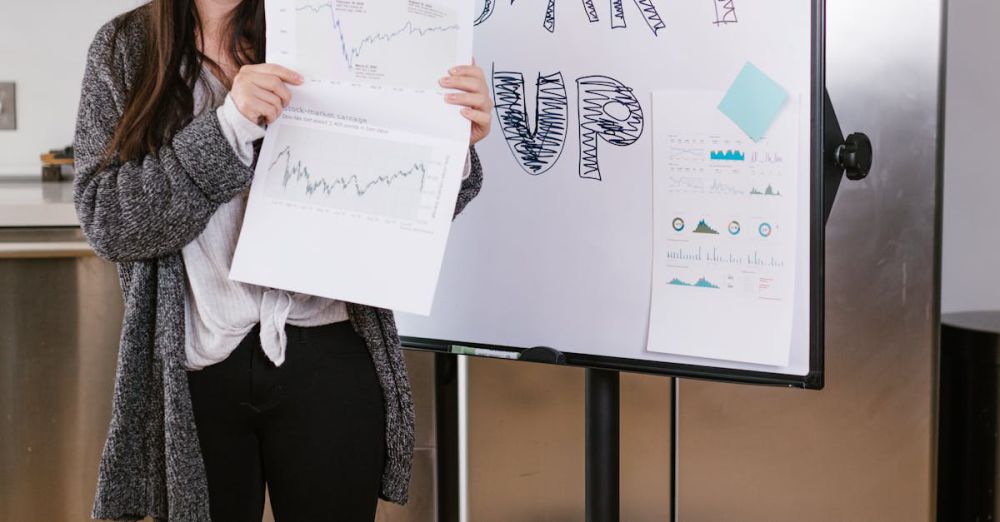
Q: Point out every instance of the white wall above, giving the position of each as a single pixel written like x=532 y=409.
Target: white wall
x=43 y=47
x=971 y=259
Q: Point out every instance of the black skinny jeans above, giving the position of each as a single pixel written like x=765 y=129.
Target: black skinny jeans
x=312 y=429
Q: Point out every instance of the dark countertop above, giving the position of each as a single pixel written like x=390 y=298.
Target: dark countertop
x=985 y=321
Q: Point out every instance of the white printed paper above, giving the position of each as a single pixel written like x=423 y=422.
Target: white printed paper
x=724 y=230
x=405 y=43
x=356 y=183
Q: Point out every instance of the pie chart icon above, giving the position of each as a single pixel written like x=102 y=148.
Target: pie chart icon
x=765 y=230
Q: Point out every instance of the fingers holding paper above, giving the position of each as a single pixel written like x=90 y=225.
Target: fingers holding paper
x=261 y=91
x=474 y=98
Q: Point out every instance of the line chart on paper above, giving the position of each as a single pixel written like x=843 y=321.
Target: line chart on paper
x=409 y=43
x=377 y=177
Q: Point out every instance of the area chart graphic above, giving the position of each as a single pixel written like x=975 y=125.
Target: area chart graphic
x=727 y=155
x=704 y=228
x=700 y=283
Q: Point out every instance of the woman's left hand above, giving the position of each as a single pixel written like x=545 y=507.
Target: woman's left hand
x=476 y=104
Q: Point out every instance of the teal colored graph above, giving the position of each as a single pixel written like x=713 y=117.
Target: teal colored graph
x=704 y=283
x=728 y=155
x=701 y=283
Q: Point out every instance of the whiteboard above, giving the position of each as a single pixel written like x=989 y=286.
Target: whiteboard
x=557 y=250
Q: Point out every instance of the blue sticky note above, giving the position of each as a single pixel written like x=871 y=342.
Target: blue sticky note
x=753 y=101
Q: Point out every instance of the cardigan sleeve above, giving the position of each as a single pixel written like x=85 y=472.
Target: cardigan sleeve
x=472 y=184
x=150 y=206
x=239 y=132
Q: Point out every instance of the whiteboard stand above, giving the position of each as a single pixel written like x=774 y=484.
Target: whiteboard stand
x=602 y=429
x=446 y=430
x=851 y=156
x=603 y=444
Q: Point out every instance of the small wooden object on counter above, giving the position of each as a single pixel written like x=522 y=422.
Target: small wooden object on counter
x=53 y=161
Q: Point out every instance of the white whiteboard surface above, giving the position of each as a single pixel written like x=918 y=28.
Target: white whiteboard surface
x=550 y=255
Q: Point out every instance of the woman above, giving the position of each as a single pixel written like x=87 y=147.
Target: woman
x=224 y=387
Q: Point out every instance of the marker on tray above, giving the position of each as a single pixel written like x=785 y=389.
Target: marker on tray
x=483 y=352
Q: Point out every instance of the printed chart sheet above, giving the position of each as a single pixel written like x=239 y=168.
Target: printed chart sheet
x=724 y=232
x=356 y=183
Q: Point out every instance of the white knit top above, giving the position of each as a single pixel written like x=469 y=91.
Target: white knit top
x=220 y=312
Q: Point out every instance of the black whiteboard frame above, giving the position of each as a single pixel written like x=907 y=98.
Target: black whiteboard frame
x=814 y=379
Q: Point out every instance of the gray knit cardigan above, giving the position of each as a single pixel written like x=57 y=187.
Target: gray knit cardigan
x=139 y=214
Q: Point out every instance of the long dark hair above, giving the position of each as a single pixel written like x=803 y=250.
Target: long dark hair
x=161 y=99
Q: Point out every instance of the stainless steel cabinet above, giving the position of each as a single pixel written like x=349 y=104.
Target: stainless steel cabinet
x=60 y=316
x=60 y=319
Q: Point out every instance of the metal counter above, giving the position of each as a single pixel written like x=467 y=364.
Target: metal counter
x=863 y=449
x=60 y=316
x=60 y=319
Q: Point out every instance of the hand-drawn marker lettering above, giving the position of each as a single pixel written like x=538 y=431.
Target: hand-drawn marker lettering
x=488 y=8
x=549 y=23
x=725 y=12
x=651 y=15
x=617 y=14
x=588 y=6
x=608 y=110
x=537 y=149
x=648 y=9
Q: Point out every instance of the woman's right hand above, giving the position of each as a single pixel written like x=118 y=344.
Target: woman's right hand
x=260 y=93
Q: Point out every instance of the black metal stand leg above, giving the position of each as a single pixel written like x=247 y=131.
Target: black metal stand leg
x=446 y=413
x=675 y=385
x=603 y=438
